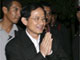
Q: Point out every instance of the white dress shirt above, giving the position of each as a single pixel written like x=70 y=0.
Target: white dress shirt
x=34 y=41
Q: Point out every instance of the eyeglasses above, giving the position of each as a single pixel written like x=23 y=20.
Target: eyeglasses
x=38 y=18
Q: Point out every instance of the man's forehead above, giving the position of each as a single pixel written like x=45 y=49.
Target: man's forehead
x=16 y=4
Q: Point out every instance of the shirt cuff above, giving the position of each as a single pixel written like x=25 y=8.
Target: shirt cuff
x=43 y=55
x=50 y=52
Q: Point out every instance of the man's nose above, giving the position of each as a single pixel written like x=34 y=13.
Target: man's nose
x=19 y=14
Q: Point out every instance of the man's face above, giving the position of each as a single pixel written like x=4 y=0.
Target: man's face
x=48 y=13
x=78 y=15
x=36 y=22
x=13 y=14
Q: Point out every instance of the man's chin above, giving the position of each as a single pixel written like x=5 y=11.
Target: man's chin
x=15 y=22
x=40 y=32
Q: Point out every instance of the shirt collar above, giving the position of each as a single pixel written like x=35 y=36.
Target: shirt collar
x=14 y=27
x=32 y=39
x=12 y=32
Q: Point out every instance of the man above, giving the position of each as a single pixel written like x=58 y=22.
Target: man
x=32 y=44
x=33 y=17
x=11 y=14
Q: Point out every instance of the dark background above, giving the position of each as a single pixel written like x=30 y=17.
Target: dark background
x=65 y=9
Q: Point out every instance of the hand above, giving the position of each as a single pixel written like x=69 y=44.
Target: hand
x=46 y=45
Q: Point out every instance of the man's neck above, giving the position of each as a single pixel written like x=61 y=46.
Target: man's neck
x=34 y=35
x=6 y=25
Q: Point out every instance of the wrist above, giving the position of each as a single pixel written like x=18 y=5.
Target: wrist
x=44 y=55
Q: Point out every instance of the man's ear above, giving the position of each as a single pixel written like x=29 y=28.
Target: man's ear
x=24 y=20
x=5 y=10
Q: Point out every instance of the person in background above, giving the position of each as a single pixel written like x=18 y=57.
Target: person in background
x=56 y=28
x=61 y=32
x=8 y=28
x=76 y=39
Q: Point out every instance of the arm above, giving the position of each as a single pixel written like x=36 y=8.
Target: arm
x=15 y=53
x=58 y=53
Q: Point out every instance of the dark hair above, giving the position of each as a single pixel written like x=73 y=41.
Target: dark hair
x=44 y=3
x=8 y=3
x=26 y=11
x=78 y=8
x=47 y=4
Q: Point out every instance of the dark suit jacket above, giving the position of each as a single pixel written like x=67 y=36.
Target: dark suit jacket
x=63 y=35
x=21 y=48
x=75 y=47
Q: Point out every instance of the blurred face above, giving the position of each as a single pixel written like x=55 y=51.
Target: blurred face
x=36 y=22
x=48 y=13
x=13 y=14
x=78 y=15
x=53 y=18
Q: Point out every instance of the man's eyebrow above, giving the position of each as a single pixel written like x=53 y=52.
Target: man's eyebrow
x=16 y=6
